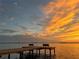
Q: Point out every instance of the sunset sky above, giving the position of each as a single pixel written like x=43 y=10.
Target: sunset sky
x=57 y=19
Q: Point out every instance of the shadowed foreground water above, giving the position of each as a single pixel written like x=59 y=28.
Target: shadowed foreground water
x=63 y=51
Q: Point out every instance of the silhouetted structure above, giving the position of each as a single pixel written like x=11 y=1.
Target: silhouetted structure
x=29 y=48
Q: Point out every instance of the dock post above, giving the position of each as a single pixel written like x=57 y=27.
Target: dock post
x=54 y=54
x=39 y=52
x=0 y=56
x=21 y=55
x=45 y=53
x=50 y=52
x=32 y=54
x=8 y=56
x=54 y=51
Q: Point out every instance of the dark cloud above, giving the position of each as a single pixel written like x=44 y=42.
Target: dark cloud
x=7 y=31
x=22 y=27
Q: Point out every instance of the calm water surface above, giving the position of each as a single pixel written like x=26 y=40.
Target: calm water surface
x=67 y=51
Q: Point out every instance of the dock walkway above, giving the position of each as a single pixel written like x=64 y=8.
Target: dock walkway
x=28 y=48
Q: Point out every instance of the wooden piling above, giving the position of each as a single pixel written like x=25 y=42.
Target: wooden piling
x=45 y=53
x=39 y=52
x=50 y=53
x=21 y=55
x=8 y=56
x=54 y=51
x=0 y=56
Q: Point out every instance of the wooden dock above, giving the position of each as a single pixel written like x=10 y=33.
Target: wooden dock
x=28 y=48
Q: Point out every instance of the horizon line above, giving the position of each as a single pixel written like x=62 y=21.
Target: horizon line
x=39 y=42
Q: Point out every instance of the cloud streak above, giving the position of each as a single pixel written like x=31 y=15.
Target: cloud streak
x=63 y=19
x=7 y=31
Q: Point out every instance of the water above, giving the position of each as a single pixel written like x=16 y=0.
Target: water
x=63 y=51
x=67 y=51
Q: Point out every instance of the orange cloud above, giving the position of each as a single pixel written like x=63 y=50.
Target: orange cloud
x=61 y=13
